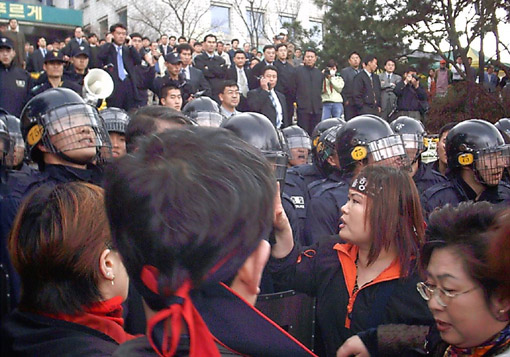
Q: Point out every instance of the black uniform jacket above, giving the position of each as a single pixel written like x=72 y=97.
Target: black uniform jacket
x=327 y=270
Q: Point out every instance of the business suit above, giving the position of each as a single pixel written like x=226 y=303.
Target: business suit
x=214 y=70
x=73 y=46
x=35 y=61
x=348 y=74
x=388 y=98
x=162 y=49
x=197 y=82
x=256 y=72
x=232 y=75
x=287 y=83
x=367 y=93
x=308 y=97
x=260 y=102
x=125 y=92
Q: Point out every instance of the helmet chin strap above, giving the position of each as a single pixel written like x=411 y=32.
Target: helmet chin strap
x=75 y=161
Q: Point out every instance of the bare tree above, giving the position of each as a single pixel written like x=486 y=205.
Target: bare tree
x=253 y=17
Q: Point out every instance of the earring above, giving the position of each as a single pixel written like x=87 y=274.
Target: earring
x=113 y=278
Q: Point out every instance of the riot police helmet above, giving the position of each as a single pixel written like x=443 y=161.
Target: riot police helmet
x=204 y=111
x=116 y=120
x=298 y=144
x=16 y=152
x=413 y=134
x=61 y=121
x=369 y=140
x=478 y=144
x=326 y=149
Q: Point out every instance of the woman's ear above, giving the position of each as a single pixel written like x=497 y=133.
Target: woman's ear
x=106 y=265
x=501 y=307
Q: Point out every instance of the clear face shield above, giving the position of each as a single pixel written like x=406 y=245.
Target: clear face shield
x=278 y=159
x=78 y=132
x=5 y=145
x=490 y=164
x=389 y=151
x=299 y=149
x=16 y=150
x=415 y=146
x=208 y=119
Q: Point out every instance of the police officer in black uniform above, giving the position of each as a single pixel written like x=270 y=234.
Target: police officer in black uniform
x=65 y=137
x=477 y=157
x=15 y=82
x=80 y=66
x=363 y=140
x=413 y=134
x=204 y=111
x=54 y=71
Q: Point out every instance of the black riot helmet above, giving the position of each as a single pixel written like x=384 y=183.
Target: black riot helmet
x=413 y=134
x=16 y=152
x=257 y=130
x=65 y=125
x=298 y=143
x=503 y=125
x=478 y=144
x=369 y=139
x=5 y=140
x=115 y=120
x=204 y=112
x=325 y=149
x=322 y=127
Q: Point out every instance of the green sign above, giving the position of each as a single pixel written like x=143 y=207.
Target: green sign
x=41 y=14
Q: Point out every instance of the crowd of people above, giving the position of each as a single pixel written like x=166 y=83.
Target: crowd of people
x=129 y=228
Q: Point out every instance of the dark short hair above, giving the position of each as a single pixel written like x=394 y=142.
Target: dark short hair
x=369 y=58
x=186 y=202
x=172 y=37
x=210 y=35
x=233 y=40
x=227 y=83
x=182 y=38
x=411 y=69
x=354 y=53
x=117 y=25
x=280 y=45
x=311 y=50
x=445 y=128
x=144 y=123
x=390 y=60
x=254 y=59
x=220 y=42
x=197 y=43
x=331 y=63
x=467 y=230
x=163 y=35
x=168 y=88
x=237 y=52
x=136 y=34
x=55 y=244
x=146 y=38
x=269 y=68
x=91 y=35
x=184 y=47
x=268 y=47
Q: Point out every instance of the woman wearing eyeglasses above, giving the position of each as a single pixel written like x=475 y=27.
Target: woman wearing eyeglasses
x=471 y=316
x=370 y=279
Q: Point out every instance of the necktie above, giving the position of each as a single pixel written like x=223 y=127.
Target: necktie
x=242 y=82
x=277 y=108
x=389 y=77
x=44 y=52
x=120 y=64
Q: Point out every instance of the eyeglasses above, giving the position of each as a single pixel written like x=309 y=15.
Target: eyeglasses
x=442 y=296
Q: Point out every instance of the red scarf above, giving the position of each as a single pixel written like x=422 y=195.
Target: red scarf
x=104 y=316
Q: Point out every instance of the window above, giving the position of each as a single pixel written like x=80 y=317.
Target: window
x=256 y=22
x=316 y=28
x=71 y=4
x=103 y=26
x=123 y=19
x=285 y=19
x=220 y=19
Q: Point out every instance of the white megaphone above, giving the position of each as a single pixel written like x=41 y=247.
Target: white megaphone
x=97 y=85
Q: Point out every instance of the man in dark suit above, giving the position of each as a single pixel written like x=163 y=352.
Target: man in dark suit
x=36 y=60
x=212 y=66
x=120 y=62
x=240 y=74
x=308 y=92
x=76 y=42
x=194 y=77
x=286 y=77
x=266 y=100
x=269 y=57
x=367 y=88
x=348 y=74
x=164 y=46
x=94 y=50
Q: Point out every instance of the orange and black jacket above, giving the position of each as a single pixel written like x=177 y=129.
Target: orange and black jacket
x=327 y=270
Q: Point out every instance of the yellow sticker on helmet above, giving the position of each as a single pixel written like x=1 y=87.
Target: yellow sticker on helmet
x=359 y=153
x=465 y=159
x=320 y=147
x=35 y=134
x=316 y=141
